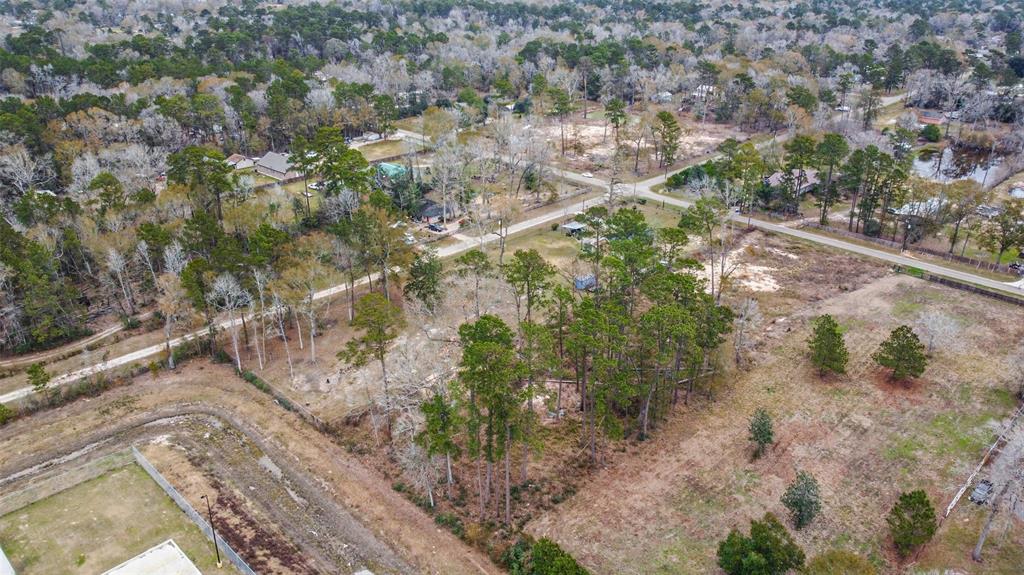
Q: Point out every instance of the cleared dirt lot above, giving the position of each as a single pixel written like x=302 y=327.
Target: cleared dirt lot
x=385 y=530
x=663 y=506
x=590 y=143
x=99 y=524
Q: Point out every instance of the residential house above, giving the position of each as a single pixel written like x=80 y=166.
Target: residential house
x=431 y=212
x=926 y=208
x=703 y=92
x=275 y=165
x=810 y=180
x=662 y=97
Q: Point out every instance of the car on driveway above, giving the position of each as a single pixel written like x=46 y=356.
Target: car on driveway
x=437 y=228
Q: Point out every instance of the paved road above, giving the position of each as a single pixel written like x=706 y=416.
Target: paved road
x=900 y=259
x=146 y=354
x=640 y=189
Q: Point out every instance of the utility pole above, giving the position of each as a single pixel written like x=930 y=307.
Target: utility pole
x=213 y=530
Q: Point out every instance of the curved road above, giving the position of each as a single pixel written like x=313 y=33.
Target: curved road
x=638 y=189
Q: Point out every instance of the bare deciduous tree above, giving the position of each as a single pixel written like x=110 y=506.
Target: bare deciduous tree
x=227 y=295
x=748 y=318
x=937 y=330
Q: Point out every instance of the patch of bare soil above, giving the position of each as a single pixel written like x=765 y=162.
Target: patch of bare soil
x=787 y=275
x=237 y=520
x=590 y=143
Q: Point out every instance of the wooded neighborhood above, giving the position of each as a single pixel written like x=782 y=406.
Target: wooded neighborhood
x=533 y=287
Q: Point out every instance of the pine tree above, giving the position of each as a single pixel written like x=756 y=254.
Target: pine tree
x=761 y=431
x=615 y=112
x=487 y=373
x=828 y=350
x=425 y=276
x=381 y=322
x=530 y=277
x=903 y=353
x=912 y=521
x=769 y=550
x=441 y=424
x=668 y=132
x=803 y=499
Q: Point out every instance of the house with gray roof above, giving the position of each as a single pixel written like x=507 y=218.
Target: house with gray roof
x=275 y=165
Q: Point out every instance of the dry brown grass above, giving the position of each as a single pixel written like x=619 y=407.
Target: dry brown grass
x=664 y=506
x=99 y=524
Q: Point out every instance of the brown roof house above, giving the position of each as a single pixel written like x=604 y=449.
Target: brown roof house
x=930 y=117
x=239 y=162
x=810 y=180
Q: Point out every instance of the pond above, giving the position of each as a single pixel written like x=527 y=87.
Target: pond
x=949 y=165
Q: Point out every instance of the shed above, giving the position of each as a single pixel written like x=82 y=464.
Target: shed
x=274 y=165
x=982 y=492
x=573 y=228
x=239 y=162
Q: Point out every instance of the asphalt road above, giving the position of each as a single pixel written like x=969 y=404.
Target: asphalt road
x=900 y=259
x=639 y=189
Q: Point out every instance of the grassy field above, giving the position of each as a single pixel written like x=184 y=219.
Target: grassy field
x=98 y=525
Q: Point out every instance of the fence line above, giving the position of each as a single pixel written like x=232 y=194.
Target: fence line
x=984 y=459
x=979 y=264
x=919 y=273
x=853 y=235
x=973 y=262
x=185 y=506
